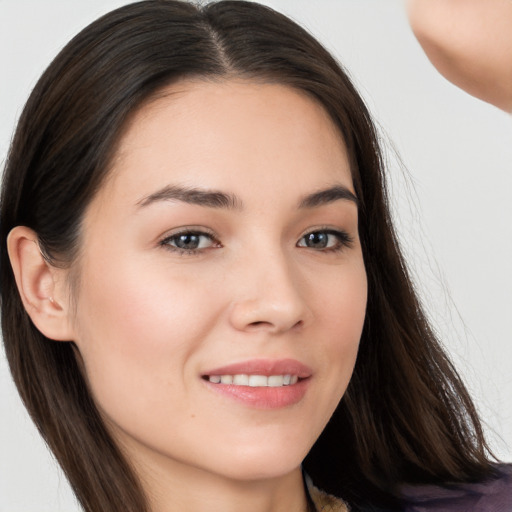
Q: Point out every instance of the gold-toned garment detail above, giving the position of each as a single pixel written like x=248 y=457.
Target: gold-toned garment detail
x=325 y=502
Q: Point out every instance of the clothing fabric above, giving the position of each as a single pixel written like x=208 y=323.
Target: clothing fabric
x=325 y=502
x=494 y=495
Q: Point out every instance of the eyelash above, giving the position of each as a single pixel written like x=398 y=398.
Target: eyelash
x=166 y=242
x=344 y=240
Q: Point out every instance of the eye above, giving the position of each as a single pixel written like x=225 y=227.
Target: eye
x=189 y=241
x=325 y=240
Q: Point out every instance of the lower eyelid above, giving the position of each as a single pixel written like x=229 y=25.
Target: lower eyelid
x=166 y=241
x=343 y=240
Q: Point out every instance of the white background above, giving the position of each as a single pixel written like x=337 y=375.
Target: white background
x=452 y=195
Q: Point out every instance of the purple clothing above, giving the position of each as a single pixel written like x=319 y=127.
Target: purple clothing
x=492 y=496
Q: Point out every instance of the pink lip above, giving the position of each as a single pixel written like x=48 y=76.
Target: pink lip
x=264 y=367
x=263 y=397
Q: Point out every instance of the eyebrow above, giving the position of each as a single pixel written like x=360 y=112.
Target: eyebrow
x=201 y=197
x=328 y=195
x=222 y=200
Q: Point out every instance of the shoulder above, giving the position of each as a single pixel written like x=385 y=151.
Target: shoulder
x=493 y=495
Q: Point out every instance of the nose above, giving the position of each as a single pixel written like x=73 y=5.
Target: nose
x=270 y=296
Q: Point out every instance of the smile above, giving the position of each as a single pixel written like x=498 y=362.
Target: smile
x=261 y=383
x=255 y=381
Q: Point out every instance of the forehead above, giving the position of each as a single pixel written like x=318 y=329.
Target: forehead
x=227 y=134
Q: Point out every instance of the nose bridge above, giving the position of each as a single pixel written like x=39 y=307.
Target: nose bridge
x=269 y=294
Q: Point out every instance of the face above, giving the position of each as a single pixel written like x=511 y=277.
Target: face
x=222 y=286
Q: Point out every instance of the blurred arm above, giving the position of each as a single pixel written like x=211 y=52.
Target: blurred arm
x=470 y=43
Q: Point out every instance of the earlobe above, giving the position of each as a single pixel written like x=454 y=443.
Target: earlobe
x=41 y=285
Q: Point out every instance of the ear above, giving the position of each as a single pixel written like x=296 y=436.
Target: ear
x=42 y=286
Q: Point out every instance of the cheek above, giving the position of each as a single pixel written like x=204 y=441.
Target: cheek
x=341 y=309
x=137 y=329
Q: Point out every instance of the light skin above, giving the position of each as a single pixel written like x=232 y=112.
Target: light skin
x=470 y=43
x=272 y=270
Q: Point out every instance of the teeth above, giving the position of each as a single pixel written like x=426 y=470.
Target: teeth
x=258 y=381
x=241 y=380
x=274 y=381
x=255 y=381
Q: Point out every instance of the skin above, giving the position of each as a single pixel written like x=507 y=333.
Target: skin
x=470 y=43
x=150 y=320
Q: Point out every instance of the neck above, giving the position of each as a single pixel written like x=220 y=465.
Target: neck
x=171 y=486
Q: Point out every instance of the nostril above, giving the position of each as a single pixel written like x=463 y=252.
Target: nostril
x=259 y=324
x=266 y=314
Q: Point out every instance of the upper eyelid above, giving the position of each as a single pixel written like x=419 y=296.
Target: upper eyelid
x=165 y=242
x=327 y=229
x=203 y=231
x=331 y=231
x=188 y=230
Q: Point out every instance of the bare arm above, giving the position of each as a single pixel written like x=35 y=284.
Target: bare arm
x=470 y=43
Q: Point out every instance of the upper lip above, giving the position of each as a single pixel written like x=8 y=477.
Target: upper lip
x=265 y=367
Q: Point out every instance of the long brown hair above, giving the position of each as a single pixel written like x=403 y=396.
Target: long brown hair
x=406 y=416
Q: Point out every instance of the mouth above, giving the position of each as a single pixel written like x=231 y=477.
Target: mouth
x=254 y=381
x=261 y=384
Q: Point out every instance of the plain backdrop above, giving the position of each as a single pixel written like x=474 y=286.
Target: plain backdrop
x=450 y=170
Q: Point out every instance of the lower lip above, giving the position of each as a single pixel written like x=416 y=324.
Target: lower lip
x=263 y=397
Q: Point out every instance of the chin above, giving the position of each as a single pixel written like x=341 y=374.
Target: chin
x=262 y=462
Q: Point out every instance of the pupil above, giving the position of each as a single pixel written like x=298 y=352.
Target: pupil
x=187 y=241
x=316 y=240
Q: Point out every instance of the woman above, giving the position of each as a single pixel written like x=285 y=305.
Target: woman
x=199 y=248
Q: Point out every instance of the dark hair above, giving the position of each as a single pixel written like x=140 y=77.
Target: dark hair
x=406 y=416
